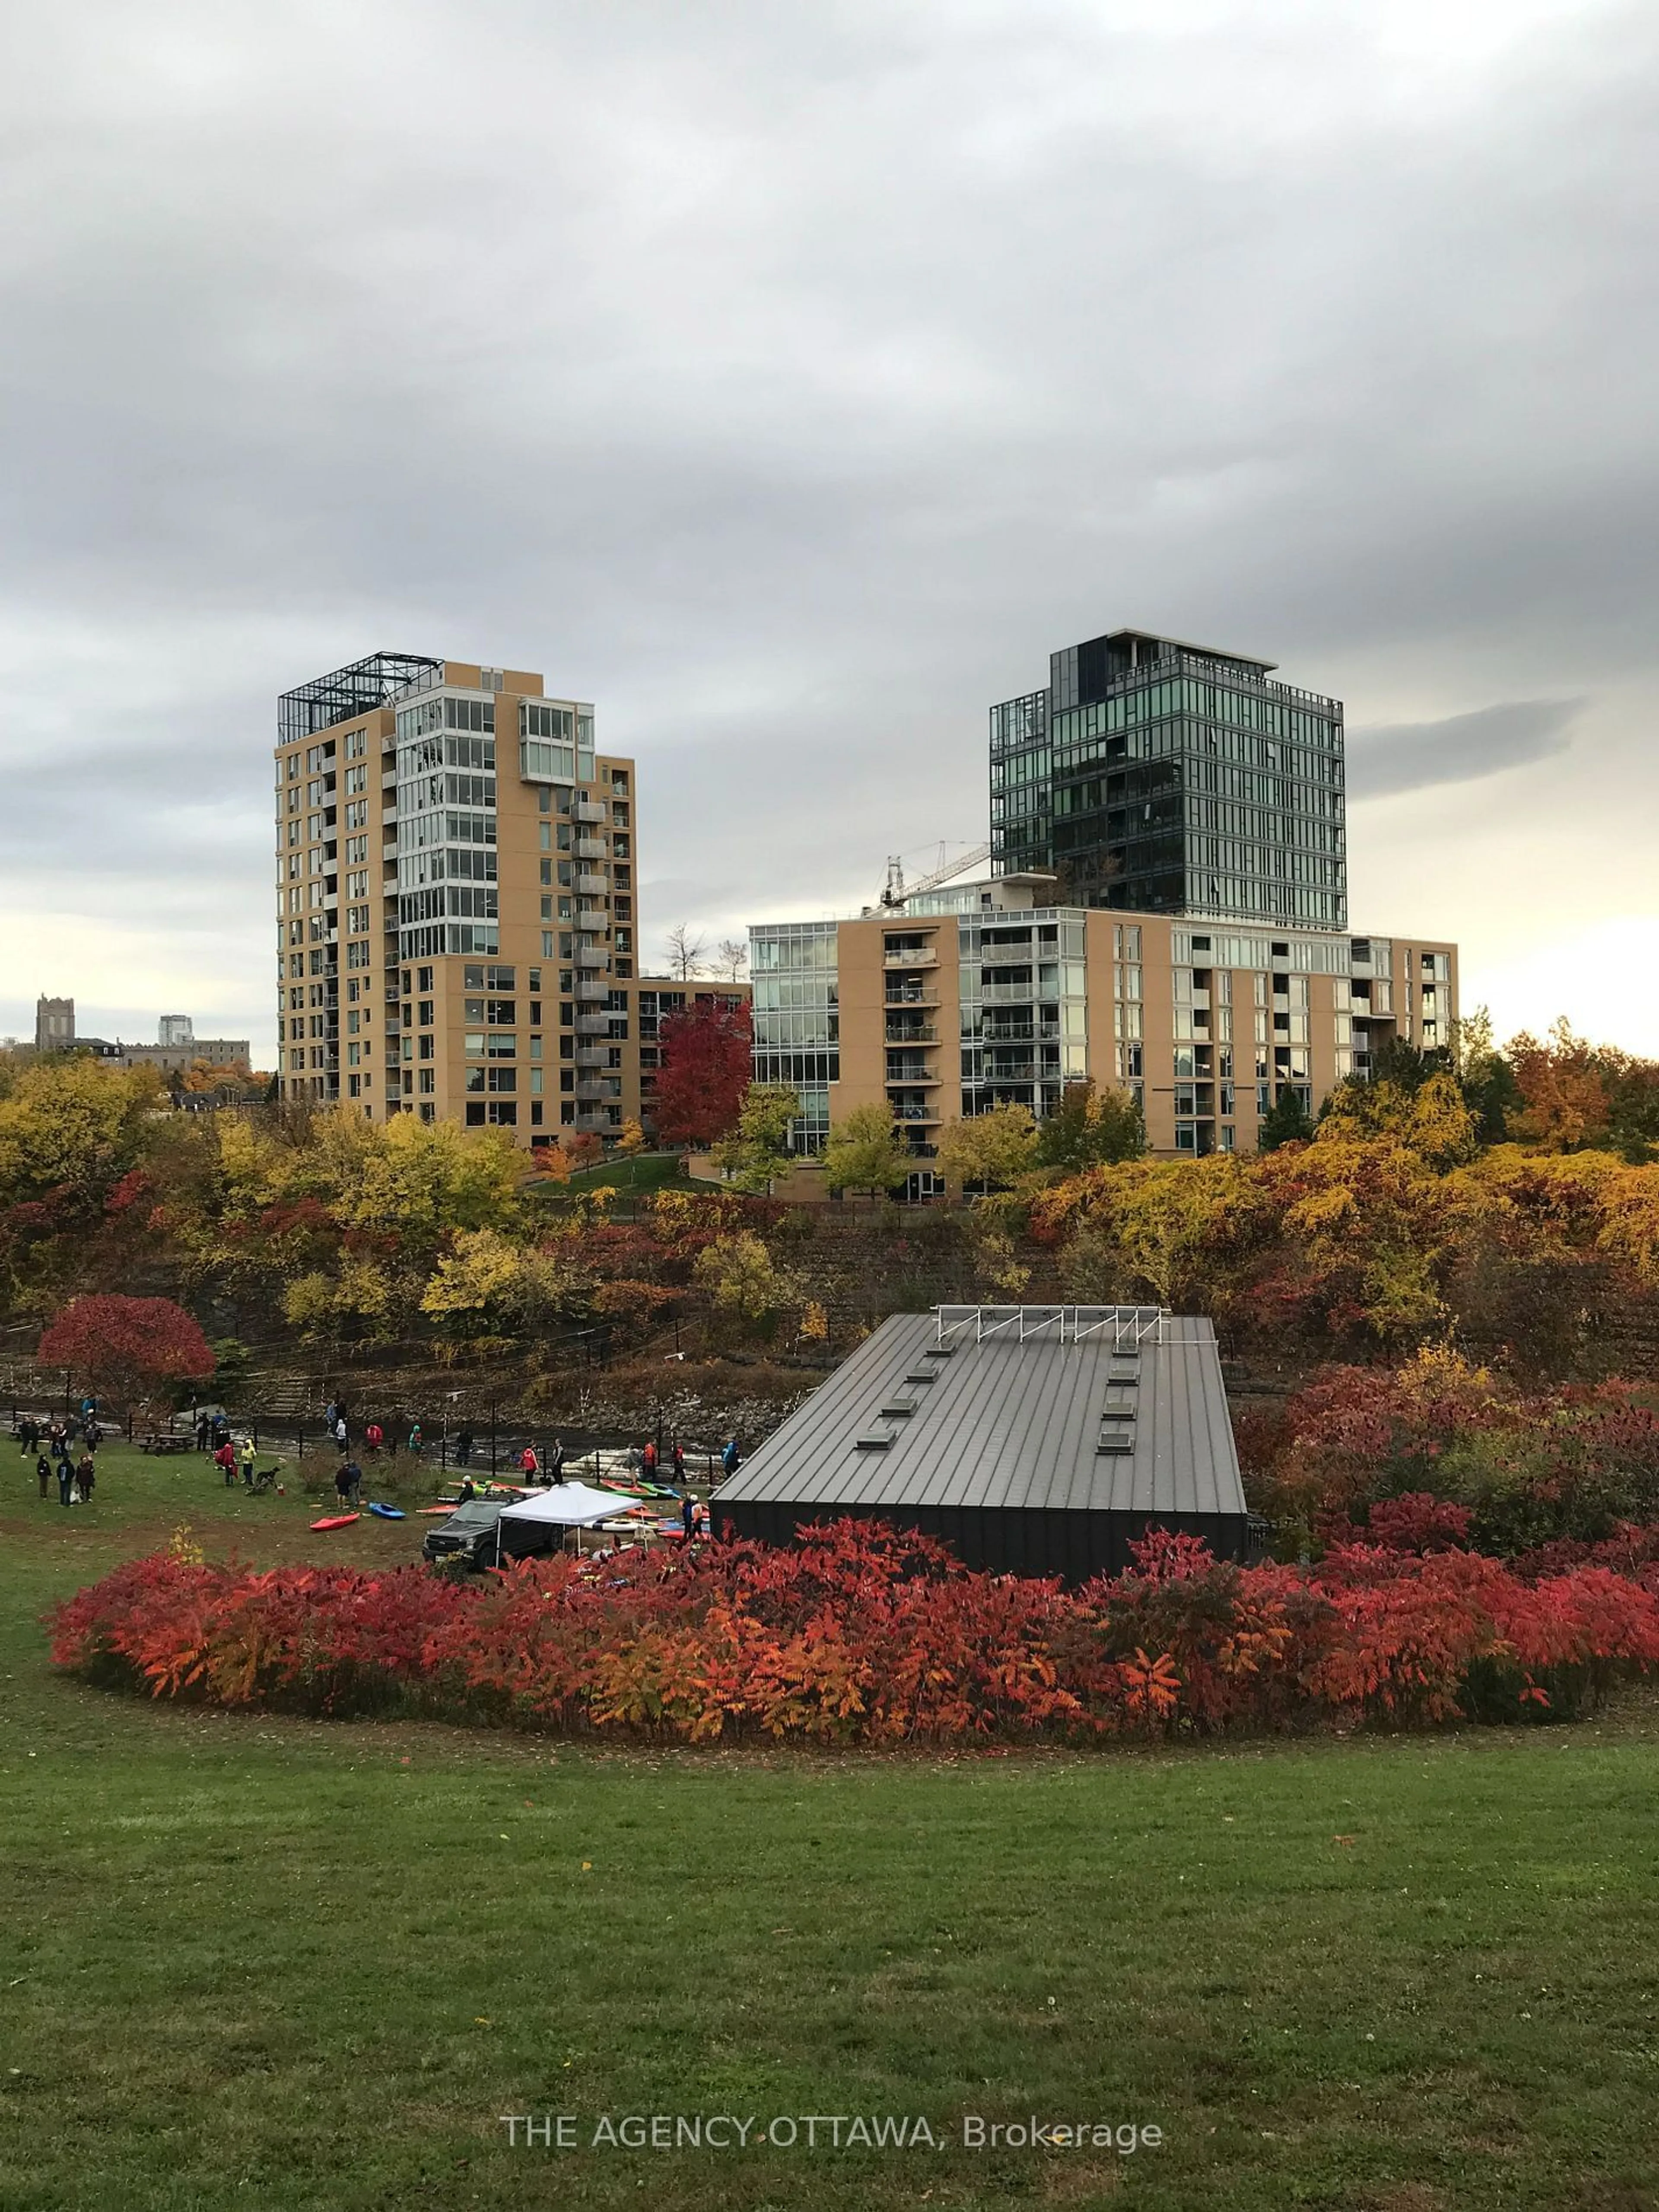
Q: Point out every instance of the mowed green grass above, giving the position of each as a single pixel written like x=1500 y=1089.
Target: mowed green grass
x=279 y=1963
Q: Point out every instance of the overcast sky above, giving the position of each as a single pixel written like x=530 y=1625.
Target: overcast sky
x=789 y=380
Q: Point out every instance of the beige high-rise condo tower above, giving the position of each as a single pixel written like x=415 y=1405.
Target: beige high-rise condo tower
x=455 y=871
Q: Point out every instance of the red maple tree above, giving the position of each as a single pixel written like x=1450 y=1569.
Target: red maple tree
x=126 y=1346
x=707 y=1053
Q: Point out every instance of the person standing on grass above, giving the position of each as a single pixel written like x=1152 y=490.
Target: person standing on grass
x=375 y=1436
x=65 y=1472
x=29 y=1434
x=528 y=1466
x=43 y=1471
x=225 y=1459
x=417 y=1442
x=354 y=1475
x=203 y=1433
x=689 y=1518
x=343 y=1483
x=464 y=1449
x=339 y=1433
x=556 y=1462
x=731 y=1458
x=248 y=1455
x=85 y=1476
x=648 y=1460
x=677 y=1455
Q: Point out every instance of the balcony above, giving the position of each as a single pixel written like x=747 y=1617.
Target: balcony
x=919 y=1033
x=1007 y=994
x=910 y=956
x=592 y=955
x=587 y=809
x=911 y=1115
x=594 y=918
x=899 y=1070
x=592 y=1091
x=590 y=986
x=594 y=1122
x=590 y=849
x=1019 y=1033
x=592 y=1055
x=589 y=883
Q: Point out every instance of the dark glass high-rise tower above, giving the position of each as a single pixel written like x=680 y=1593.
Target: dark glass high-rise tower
x=1166 y=778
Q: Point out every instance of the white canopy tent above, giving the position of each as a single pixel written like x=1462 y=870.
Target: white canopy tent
x=565 y=1505
x=572 y=1504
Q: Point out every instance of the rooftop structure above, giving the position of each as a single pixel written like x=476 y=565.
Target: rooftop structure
x=1038 y=1440
x=355 y=690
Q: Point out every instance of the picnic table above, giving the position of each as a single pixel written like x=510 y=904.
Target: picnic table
x=161 y=1445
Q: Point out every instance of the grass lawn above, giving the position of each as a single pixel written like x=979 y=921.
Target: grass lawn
x=281 y=1963
x=630 y=1174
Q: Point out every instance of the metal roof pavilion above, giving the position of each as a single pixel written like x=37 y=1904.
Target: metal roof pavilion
x=1034 y=1439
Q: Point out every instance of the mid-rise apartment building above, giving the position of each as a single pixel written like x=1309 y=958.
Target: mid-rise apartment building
x=456 y=886
x=1160 y=777
x=992 y=993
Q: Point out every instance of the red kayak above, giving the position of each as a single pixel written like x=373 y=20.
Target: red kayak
x=337 y=1520
x=437 y=1508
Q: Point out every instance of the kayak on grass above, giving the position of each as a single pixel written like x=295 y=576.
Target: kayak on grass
x=337 y=1520
x=388 y=1512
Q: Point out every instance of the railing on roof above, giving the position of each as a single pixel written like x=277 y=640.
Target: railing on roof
x=1126 y=1325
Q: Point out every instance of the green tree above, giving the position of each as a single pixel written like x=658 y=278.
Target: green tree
x=866 y=1153
x=992 y=1150
x=1091 y=1129
x=748 y=1287
x=1287 y=1121
x=757 y=1150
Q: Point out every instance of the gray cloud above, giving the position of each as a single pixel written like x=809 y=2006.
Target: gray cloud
x=789 y=381
x=1461 y=748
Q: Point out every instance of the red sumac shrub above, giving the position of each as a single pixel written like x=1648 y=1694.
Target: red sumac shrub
x=865 y=1634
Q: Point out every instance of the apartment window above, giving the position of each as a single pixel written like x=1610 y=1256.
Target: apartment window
x=427 y=1047
x=429 y=1079
x=501 y=1046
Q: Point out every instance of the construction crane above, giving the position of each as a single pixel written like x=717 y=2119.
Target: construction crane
x=896 y=890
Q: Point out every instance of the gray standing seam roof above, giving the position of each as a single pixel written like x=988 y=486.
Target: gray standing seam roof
x=1008 y=1424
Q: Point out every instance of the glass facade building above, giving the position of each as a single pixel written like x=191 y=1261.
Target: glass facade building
x=792 y=968
x=1157 y=777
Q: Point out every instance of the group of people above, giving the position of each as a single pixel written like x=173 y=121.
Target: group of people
x=53 y=1447
x=232 y=1458
x=377 y=1435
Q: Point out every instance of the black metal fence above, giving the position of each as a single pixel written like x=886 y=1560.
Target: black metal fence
x=495 y=1446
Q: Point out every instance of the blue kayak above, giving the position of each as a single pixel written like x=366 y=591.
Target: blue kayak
x=388 y=1512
